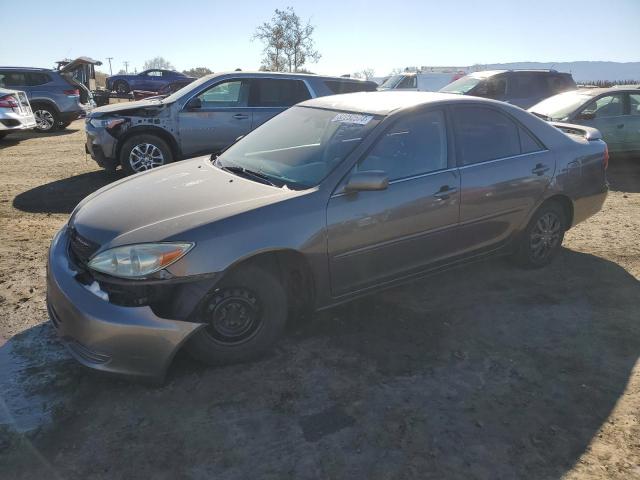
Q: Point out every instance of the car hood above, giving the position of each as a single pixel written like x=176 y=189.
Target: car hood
x=125 y=106
x=165 y=202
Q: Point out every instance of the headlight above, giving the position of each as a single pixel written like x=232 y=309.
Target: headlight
x=105 y=123
x=135 y=261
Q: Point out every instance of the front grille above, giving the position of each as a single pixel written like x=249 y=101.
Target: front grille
x=80 y=248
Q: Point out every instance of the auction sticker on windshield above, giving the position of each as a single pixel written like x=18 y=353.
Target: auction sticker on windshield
x=352 y=118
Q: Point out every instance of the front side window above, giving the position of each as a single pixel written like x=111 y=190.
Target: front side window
x=462 y=85
x=607 y=106
x=224 y=95
x=271 y=92
x=410 y=81
x=494 y=87
x=634 y=103
x=484 y=134
x=412 y=146
x=300 y=146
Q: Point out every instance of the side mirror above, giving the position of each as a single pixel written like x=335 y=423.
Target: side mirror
x=194 y=104
x=367 y=181
x=586 y=116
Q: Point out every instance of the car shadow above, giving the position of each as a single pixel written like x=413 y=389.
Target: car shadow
x=623 y=173
x=62 y=196
x=485 y=371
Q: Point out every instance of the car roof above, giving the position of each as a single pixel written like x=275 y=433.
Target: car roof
x=384 y=103
x=490 y=73
x=28 y=69
x=594 y=91
x=290 y=75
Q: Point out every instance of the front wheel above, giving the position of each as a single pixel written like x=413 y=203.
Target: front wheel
x=244 y=316
x=122 y=87
x=144 y=152
x=542 y=239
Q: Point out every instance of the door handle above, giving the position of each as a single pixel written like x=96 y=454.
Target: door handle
x=540 y=169
x=240 y=116
x=445 y=192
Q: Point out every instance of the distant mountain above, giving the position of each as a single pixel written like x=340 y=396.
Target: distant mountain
x=581 y=71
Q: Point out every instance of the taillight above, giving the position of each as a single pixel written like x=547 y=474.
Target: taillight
x=605 y=160
x=8 y=101
x=72 y=92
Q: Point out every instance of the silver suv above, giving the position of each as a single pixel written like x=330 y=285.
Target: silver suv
x=206 y=116
x=55 y=97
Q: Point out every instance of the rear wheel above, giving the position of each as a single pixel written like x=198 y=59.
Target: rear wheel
x=542 y=239
x=63 y=125
x=244 y=316
x=144 y=152
x=46 y=118
x=121 y=87
x=3 y=134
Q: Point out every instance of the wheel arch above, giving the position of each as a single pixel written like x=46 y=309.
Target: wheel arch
x=149 y=130
x=565 y=202
x=292 y=268
x=44 y=101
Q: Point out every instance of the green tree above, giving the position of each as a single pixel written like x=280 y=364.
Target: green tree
x=198 y=72
x=158 y=62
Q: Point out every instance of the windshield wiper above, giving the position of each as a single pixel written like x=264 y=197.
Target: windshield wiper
x=540 y=115
x=250 y=173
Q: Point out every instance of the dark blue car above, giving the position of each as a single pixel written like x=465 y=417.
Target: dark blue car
x=150 y=80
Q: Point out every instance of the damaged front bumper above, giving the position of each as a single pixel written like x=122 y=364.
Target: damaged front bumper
x=99 y=334
x=101 y=145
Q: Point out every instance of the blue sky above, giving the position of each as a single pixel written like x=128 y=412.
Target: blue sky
x=350 y=35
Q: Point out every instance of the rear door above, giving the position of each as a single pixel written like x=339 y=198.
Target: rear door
x=504 y=172
x=222 y=117
x=607 y=114
x=377 y=236
x=270 y=96
x=632 y=136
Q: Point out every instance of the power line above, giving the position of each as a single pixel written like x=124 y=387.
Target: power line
x=126 y=66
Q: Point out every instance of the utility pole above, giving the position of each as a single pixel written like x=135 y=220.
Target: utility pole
x=110 y=71
x=126 y=66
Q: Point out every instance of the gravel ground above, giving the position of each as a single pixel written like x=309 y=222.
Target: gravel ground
x=486 y=371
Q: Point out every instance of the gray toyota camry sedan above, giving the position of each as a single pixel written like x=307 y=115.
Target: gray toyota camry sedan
x=332 y=199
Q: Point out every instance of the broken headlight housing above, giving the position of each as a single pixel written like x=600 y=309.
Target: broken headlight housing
x=107 y=123
x=138 y=261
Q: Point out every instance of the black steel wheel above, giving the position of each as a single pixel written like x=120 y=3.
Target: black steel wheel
x=542 y=239
x=243 y=317
x=121 y=87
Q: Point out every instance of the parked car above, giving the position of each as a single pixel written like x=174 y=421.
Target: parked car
x=165 y=91
x=420 y=81
x=54 y=95
x=523 y=88
x=150 y=80
x=614 y=111
x=206 y=116
x=15 y=112
x=332 y=199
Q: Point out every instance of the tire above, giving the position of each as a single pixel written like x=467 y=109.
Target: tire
x=47 y=118
x=541 y=240
x=144 y=152
x=63 y=125
x=3 y=134
x=121 y=87
x=245 y=315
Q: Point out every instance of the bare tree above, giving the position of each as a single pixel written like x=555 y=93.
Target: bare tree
x=158 y=62
x=288 y=43
x=366 y=73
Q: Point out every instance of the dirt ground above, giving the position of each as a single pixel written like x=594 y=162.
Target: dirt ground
x=486 y=372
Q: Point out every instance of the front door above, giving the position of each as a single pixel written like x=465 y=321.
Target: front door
x=607 y=114
x=504 y=172
x=221 y=117
x=377 y=236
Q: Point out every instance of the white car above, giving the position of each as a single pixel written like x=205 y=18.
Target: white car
x=15 y=112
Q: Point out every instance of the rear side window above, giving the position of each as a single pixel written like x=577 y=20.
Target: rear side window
x=412 y=146
x=12 y=79
x=271 y=92
x=528 y=143
x=560 y=83
x=484 y=134
x=336 y=86
x=524 y=85
x=34 y=79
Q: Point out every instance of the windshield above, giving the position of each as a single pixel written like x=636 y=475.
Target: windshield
x=186 y=89
x=299 y=147
x=391 y=82
x=560 y=106
x=462 y=85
